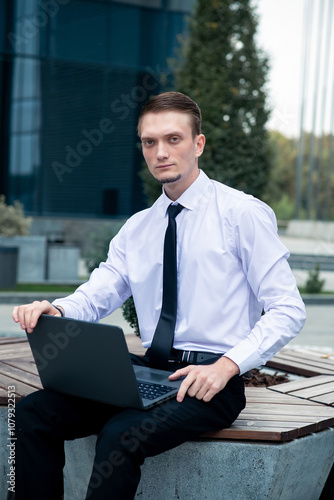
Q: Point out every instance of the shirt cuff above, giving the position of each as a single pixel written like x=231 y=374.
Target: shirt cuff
x=244 y=356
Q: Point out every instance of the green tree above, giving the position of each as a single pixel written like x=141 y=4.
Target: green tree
x=280 y=190
x=221 y=68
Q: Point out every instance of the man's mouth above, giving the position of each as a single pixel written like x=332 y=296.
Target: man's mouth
x=165 y=165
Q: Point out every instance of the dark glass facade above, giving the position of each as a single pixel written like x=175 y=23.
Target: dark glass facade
x=73 y=77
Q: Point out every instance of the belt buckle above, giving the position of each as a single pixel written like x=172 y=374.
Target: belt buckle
x=187 y=354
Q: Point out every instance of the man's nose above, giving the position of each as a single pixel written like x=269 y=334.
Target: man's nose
x=162 y=151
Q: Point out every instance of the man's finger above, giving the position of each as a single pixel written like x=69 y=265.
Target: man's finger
x=188 y=381
x=180 y=373
x=15 y=314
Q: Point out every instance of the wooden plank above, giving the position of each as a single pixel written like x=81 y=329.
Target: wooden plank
x=305 y=419
x=304 y=425
x=303 y=363
x=299 y=431
x=12 y=340
x=286 y=430
x=21 y=389
x=309 y=356
x=297 y=368
x=15 y=352
x=315 y=366
x=24 y=364
x=327 y=399
x=3 y=396
x=21 y=347
x=258 y=434
x=279 y=397
x=318 y=390
x=277 y=409
x=289 y=387
x=270 y=424
x=17 y=374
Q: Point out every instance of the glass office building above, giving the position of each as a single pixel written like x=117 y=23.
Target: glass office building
x=73 y=77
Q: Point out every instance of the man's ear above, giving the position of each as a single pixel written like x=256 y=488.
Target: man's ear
x=200 y=143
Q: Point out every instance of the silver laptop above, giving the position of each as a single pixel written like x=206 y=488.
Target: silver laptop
x=92 y=361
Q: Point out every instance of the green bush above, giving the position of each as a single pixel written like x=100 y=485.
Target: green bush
x=12 y=219
x=314 y=284
x=284 y=208
x=130 y=314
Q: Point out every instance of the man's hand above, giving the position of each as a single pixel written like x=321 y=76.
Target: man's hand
x=27 y=315
x=205 y=381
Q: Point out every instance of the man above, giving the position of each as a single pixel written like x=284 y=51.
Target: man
x=231 y=267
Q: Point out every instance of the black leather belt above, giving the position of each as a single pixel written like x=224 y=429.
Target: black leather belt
x=178 y=356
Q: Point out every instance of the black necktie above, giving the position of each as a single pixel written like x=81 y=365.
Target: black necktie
x=164 y=334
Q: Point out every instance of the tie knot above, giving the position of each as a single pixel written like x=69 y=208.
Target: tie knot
x=174 y=210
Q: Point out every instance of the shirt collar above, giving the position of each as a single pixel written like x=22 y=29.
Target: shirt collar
x=192 y=195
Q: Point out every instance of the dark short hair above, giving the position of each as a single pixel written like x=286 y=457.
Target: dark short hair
x=174 y=101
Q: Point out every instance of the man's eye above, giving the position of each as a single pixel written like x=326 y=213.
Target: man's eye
x=147 y=143
x=174 y=139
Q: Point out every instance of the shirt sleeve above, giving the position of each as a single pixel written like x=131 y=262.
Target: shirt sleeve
x=107 y=288
x=263 y=258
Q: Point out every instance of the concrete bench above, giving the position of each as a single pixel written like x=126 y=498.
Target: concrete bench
x=281 y=447
x=220 y=470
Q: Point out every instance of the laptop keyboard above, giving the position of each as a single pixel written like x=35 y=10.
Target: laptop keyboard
x=153 y=391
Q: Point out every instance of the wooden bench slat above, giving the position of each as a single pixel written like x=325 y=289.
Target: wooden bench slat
x=303 y=429
x=262 y=393
x=260 y=434
x=308 y=357
x=15 y=353
x=289 y=387
x=327 y=399
x=21 y=389
x=4 y=395
x=305 y=419
x=274 y=424
x=12 y=340
x=17 y=374
x=24 y=364
x=318 y=390
x=288 y=410
x=307 y=364
x=303 y=363
x=298 y=368
x=280 y=398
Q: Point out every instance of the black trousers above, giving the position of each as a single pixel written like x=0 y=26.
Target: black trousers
x=45 y=419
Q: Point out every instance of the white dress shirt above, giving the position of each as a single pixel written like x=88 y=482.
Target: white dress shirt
x=231 y=267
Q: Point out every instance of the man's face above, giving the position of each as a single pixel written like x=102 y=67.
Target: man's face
x=169 y=149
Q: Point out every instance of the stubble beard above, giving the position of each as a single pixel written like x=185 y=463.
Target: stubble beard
x=169 y=180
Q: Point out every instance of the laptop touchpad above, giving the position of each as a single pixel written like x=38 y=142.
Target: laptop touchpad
x=149 y=376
